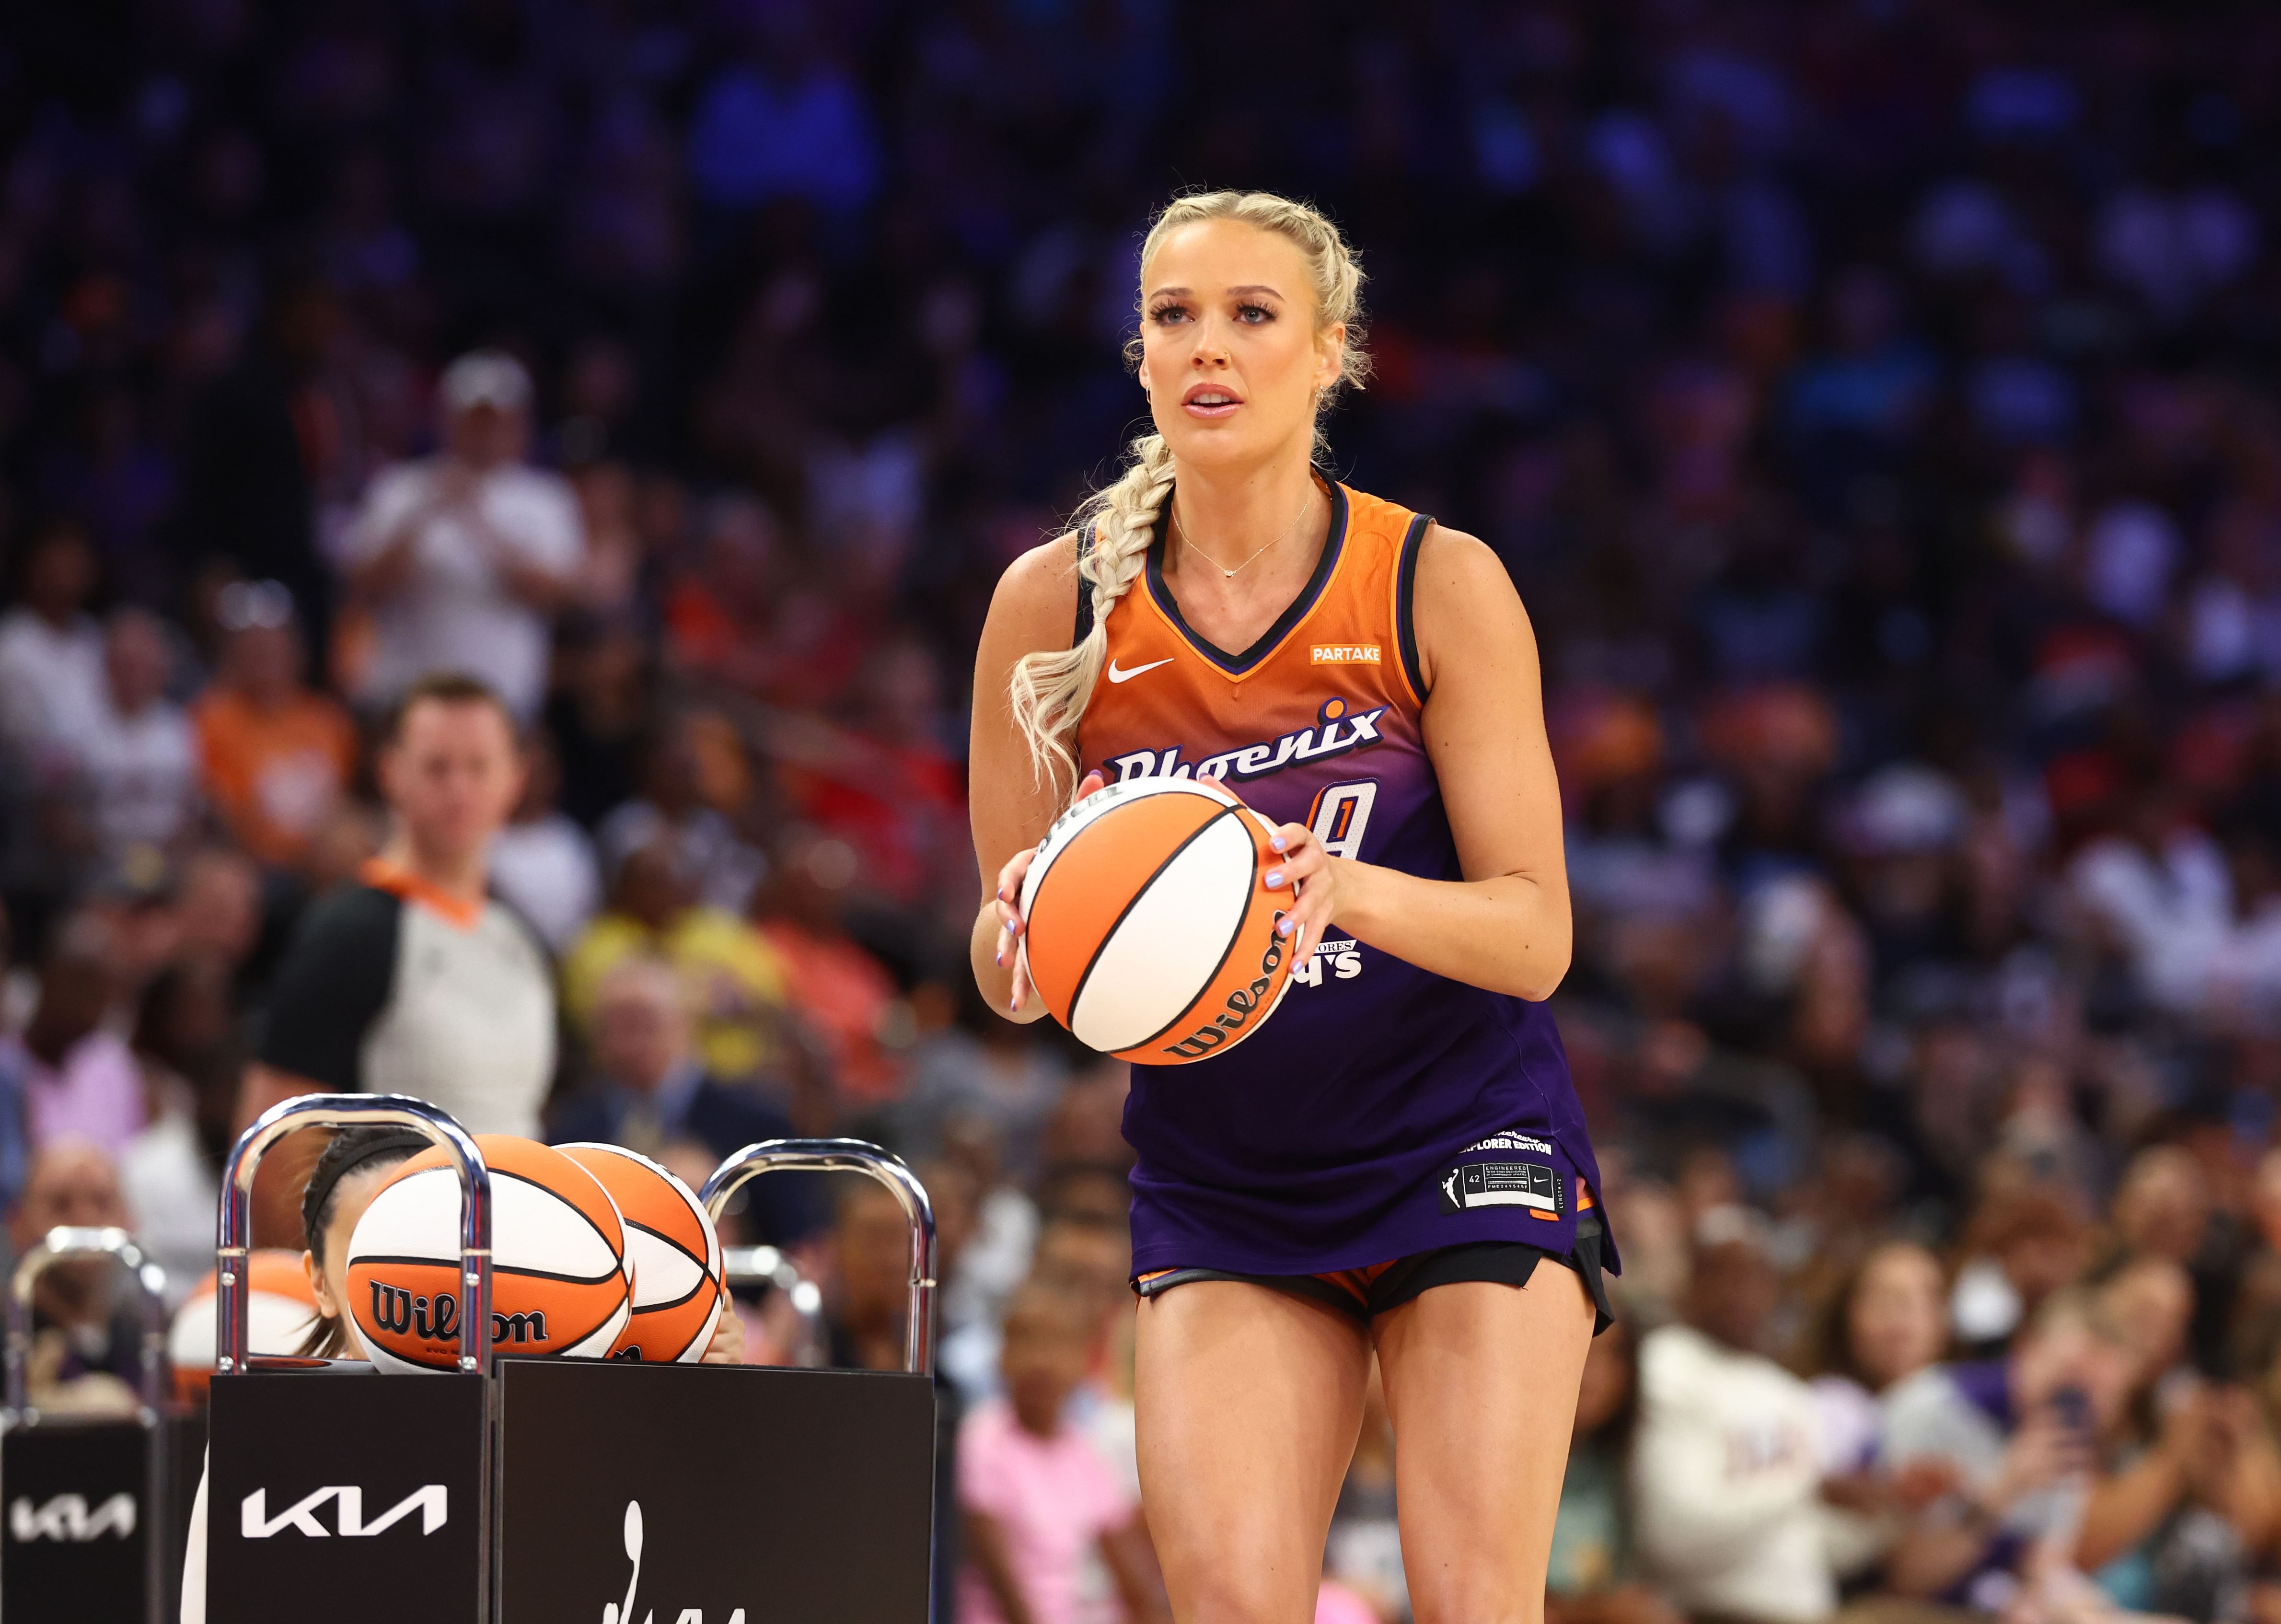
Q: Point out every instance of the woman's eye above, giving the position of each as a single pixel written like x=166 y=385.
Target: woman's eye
x=1165 y=314
x=1254 y=314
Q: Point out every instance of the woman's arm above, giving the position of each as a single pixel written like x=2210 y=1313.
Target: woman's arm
x=1035 y=608
x=1504 y=926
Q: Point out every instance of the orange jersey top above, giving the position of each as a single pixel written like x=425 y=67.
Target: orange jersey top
x=1324 y=681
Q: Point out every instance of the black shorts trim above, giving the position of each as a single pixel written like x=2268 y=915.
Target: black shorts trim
x=1503 y=1263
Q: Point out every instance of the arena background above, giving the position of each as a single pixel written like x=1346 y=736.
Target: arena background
x=1873 y=402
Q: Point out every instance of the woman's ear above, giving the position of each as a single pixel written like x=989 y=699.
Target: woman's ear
x=327 y=1308
x=1330 y=355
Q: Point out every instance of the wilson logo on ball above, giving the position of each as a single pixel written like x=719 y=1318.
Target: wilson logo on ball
x=1149 y=931
x=1242 y=1005
x=399 y=1312
x=396 y=1312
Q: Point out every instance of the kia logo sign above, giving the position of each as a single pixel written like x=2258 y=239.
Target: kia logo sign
x=67 y=1519
x=254 y=1522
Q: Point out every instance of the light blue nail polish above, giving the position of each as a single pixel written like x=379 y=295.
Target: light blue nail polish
x=1283 y=927
x=1274 y=879
x=1277 y=843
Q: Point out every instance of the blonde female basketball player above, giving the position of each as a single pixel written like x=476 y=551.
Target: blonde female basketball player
x=1396 y=1161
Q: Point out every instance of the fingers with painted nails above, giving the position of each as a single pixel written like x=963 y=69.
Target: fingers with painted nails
x=1304 y=868
x=1009 y=902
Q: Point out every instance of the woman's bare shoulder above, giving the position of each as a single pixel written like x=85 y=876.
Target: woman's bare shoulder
x=1465 y=599
x=1036 y=599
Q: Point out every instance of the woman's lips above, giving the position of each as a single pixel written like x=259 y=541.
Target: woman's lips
x=1207 y=402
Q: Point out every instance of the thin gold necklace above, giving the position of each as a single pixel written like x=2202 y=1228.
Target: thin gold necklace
x=1223 y=568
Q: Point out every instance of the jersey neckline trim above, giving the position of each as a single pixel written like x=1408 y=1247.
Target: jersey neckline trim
x=1273 y=638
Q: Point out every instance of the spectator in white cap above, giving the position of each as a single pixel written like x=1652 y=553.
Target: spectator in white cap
x=464 y=558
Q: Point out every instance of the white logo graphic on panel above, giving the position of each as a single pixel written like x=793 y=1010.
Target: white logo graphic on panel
x=623 y=1612
x=67 y=1519
x=1127 y=673
x=254 y=1522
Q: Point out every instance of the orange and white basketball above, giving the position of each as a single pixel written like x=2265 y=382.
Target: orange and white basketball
x=280 y=1308
x=1148 y=933
x=676 y=1255
x=561 y=1279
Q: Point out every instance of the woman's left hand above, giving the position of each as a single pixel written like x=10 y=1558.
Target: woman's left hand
x=1304 y=867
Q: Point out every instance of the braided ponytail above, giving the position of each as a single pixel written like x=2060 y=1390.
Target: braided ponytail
x=1051 y=687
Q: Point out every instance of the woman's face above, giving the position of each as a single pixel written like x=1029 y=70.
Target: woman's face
x=329 y=1273
x=1230 y=352
x=1897 y=1323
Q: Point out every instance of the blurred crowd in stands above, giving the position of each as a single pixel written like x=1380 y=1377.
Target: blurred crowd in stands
x=1872 y=399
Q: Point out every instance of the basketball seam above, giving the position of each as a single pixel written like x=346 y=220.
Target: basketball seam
x=624 y=1314
x=705 y=1332
x=517 y=1270
x=659 y=1234
x=1124 y=794
x=672 y=1184
x=600 y=1233
x=679 y=1190
x=1141 y=890
x=666 y=1176
x=1242 y=919
x=451 y=1342
x=683 y=1300
x=704 y=1275
x=500 y=1173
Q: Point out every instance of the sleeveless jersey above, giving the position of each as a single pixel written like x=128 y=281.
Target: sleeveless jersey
x=1384 y=1109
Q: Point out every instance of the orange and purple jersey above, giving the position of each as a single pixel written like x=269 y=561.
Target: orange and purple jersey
x=1386 y=1109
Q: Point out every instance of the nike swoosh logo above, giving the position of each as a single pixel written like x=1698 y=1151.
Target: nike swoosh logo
x=1127 y=674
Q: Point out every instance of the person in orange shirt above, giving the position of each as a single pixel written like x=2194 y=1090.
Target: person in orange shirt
x=276 y=754
x=844 y=995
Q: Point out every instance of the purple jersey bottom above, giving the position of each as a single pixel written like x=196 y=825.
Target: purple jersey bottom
x=1276 y=1160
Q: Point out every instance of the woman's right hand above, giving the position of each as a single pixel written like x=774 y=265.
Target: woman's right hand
x=1008 y=901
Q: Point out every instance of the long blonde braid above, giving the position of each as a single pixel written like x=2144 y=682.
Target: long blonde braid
x=1051 y=687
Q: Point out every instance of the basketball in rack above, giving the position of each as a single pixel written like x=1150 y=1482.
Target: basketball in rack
x=529 y=1490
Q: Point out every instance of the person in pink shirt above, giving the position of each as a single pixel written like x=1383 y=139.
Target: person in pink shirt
x=81 y=1081
x=1335 y=1603
x=1034 y=1497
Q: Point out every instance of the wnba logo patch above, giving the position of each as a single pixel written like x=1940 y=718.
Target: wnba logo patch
x=1346 y=653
